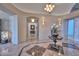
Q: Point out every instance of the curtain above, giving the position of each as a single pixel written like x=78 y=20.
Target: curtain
x=71 y=29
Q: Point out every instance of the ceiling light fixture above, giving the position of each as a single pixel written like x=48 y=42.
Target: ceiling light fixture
x=49 y=7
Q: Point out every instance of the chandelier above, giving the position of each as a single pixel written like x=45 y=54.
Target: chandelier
x=49 y=7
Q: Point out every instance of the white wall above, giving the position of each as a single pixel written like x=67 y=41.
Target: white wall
x=44 y=29
x=22 y=28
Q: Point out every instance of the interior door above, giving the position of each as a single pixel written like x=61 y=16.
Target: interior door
x=32 y=31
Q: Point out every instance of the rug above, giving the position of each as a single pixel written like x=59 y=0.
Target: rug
x=36 y=51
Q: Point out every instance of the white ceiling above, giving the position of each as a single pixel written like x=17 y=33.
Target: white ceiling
x=60 y=9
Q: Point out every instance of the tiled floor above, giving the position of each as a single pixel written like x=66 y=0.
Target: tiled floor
x=71 y=49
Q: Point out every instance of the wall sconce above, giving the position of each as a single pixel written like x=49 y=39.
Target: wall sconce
x=43 y=20
x=32 y=20
x=59 y=21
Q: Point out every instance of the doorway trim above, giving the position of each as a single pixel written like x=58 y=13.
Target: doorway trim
x=28 y=20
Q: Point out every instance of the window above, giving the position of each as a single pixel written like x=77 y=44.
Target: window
x=70 y=29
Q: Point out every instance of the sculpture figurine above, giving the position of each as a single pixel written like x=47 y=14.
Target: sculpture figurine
x=54 y=34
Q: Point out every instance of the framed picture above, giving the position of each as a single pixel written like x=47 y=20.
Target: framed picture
x=32 y=27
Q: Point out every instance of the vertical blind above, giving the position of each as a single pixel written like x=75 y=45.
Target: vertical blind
x=73 y=29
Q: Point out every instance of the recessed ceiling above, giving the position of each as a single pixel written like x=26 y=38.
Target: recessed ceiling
x=60 y=9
